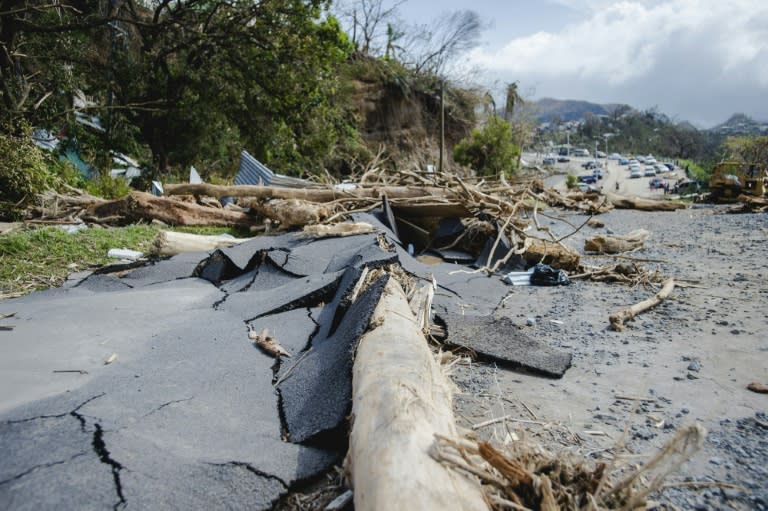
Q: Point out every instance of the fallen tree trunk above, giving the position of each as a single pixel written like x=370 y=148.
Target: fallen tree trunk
x=309 y=194
x=551 y=253
x=168 y=243
x=645 y=204
x=400 y=399
x=618 y=318
x=144 y=206
x=604 y=244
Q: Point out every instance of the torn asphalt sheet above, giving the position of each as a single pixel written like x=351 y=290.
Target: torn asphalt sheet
x=190 y=413
x=500 y=340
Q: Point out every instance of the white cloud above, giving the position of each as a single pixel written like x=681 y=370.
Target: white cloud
x=670 y=53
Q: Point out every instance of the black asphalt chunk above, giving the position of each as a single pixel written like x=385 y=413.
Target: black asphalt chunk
x=317 y=393
x=189 y=420
x=242 y=255
x=460 y=291
x=370 y=255
x=378 y=221
x=217 y=267
x=270 y=276
x=389 y=216
x=292 y=329
x=332 y=314
x=297 y=293
x=103 y=283
x=239 y=283
x=177 y=267
x=500 y=340
x=315 y=257
x=454 y=256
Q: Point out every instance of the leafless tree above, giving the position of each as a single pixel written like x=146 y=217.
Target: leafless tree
x=371 y=23
x=432 y=47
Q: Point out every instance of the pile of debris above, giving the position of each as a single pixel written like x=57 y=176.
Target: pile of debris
x=248 y=367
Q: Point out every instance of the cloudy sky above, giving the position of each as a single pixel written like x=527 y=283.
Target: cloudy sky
x=695 y=60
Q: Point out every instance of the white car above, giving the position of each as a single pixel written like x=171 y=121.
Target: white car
x=641 y=159
x=649 y=171
x=636 y=173
x=650 y=160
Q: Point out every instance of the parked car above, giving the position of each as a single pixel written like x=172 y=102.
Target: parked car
x=599 y=154
x=633 y=162
x=636 y=173
x=580 y=152
x=660 y=168
x=591 y=164
x=563 y=159
x=588 y=179
x=623 y=161
x=670 y=166
x=615 y=156
x=548 y=160
x=656 y=183
x=650 y=160
x=585 y=188
x=598 y=173
x=640 y=159
x=649 y=171
x=635 y=166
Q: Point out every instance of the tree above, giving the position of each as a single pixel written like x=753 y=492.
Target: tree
x=431 y=48
x=488 y=150
x=749 y=149
x=366 y=20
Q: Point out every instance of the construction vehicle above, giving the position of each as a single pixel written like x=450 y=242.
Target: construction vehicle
x=731 y=179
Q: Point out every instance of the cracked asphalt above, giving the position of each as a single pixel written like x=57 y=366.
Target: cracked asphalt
x=143 y=391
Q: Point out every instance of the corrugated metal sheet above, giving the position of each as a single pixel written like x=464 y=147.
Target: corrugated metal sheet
x=253 y=172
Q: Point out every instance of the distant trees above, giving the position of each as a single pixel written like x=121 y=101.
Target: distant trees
x=749 y=149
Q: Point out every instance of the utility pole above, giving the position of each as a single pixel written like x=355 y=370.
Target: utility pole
x=442 y=125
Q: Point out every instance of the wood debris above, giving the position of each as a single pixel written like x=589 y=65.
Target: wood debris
x=267 y=343
x=758 y=388
x=607 y=244
x=525 y=476
x=618 y=318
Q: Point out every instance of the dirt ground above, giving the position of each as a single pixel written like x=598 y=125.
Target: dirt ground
x=687 y=361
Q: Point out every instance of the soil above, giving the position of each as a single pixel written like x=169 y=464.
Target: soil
x=689 y=360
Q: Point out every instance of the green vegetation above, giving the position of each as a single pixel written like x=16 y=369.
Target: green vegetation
x=571 y=180
x=489 y=150
x=38 y=258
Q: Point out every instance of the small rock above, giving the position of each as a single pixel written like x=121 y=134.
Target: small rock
x=695 y=365
x=715 y=460
x=530 y=321
x=691 y=376
x=735 y=331
x=685 y=411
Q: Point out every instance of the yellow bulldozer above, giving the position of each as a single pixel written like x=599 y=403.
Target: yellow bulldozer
x=731 y=179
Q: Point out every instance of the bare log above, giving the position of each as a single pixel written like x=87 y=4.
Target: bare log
x=551 y=253
x=168 y=243
x=604 y=244
x=618 y=318
x=308 y=194
x=144 y=206
x=645 y=204
x=400 y=399
x=291 y=212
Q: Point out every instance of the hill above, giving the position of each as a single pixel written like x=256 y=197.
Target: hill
x=741 y=124
x=546 y=109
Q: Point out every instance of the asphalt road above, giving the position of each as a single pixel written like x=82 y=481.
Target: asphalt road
x=632 y=187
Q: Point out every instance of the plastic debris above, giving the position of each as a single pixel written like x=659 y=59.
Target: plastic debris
x=544 y=275
x=124 y=253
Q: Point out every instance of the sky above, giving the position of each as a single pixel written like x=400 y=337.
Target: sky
x=694 y=60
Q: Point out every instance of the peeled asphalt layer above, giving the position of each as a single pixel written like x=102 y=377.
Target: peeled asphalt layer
x=146 y=391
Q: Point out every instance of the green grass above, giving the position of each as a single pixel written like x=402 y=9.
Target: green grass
x=42 y=257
